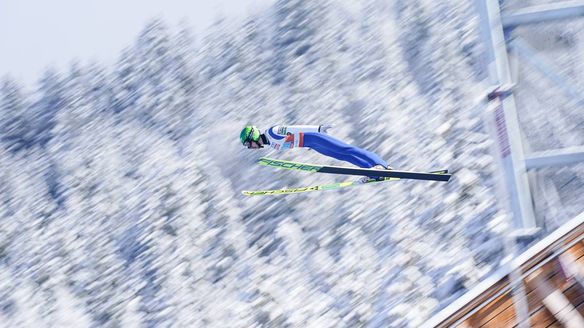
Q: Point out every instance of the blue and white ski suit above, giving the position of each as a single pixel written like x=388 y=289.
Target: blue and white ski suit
x=283 y=137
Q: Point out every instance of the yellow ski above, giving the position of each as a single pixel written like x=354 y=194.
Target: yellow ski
x=331 y=186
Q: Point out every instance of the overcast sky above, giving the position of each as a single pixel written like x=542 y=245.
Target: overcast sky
x=35 y=34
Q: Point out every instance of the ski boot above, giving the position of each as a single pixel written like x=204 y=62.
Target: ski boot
x=376 y=167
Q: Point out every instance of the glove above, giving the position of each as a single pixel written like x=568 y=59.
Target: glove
x=324 y=128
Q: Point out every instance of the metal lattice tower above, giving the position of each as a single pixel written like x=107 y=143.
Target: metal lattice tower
x=498 y=28
x=498 y=37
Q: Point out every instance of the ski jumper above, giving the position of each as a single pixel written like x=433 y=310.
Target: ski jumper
x=282 y=137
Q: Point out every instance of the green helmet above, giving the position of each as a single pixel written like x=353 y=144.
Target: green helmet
x=249 y=133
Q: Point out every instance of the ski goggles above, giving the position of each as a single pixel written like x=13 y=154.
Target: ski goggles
x=249 y=139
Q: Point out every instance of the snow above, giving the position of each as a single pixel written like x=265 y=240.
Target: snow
x=119 y=186
x=68 y=313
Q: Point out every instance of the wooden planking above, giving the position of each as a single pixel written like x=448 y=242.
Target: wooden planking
x=541 y=259
x=555 y=300
x=575 y=294
x=501 y=309
x=542 y=317
x=500 y=312
x=505 y=316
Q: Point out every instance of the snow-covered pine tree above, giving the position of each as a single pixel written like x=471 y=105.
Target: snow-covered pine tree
x=16 y=124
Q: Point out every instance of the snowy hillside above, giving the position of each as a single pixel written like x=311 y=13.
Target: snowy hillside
x=120 y=200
